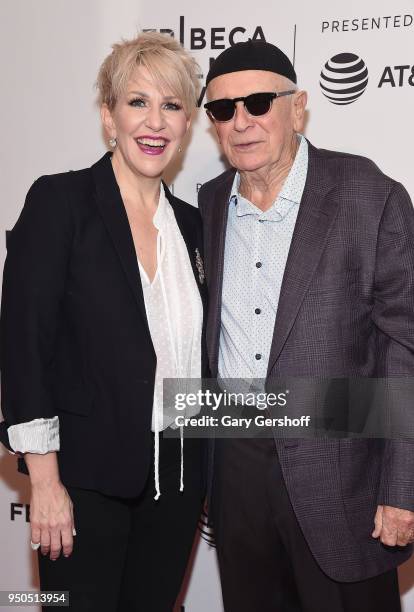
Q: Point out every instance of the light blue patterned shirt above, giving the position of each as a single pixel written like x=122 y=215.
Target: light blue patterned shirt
x=257 y=246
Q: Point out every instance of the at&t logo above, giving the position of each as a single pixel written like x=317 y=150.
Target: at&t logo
x=344 y=78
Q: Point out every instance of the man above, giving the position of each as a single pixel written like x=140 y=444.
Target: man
x=310 y=268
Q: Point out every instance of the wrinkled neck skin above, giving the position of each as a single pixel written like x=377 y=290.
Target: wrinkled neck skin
x=262 y=186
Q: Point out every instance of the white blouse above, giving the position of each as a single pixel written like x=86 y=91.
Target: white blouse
x=175 y=317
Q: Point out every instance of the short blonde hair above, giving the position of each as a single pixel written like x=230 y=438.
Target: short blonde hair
x=168 y=63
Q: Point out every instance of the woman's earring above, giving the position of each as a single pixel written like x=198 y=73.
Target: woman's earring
x=112 y=142
x=180 y=149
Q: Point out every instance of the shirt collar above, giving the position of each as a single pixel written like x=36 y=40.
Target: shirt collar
x=290 y=194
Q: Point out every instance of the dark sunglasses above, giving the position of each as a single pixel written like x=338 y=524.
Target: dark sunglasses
x=256 y=104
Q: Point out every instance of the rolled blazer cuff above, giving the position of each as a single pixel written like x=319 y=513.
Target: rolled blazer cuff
x=39 y=436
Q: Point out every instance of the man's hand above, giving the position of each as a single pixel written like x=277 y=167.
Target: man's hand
x=394 y=526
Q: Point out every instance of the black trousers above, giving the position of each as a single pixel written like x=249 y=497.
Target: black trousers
x=130 y=555
x=264 y=560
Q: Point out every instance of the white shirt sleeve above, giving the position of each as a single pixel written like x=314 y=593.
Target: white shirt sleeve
x=39 y=436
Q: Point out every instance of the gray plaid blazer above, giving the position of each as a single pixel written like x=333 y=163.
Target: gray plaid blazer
x=346 y=309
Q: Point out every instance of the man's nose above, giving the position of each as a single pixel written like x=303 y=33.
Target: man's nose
x=242 y=119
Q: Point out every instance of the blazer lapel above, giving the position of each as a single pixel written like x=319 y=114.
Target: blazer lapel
x=192 y=241
x=317 y=212
x=111 y=206
x=215 y=246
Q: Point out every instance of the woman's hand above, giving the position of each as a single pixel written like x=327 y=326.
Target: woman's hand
x=51 y=519
x=51 y=509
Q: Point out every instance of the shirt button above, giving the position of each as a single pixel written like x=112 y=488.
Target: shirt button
x=258 y=356
x=258 y=264
x=257 y=310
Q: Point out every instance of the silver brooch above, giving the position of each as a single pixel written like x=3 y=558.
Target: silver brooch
x=200 y=267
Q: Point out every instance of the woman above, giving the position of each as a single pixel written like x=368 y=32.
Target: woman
x=103 y=295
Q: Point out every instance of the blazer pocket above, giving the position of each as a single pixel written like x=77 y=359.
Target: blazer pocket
x=75 y=399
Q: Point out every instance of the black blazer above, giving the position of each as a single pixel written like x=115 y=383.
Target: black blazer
x=75 y=340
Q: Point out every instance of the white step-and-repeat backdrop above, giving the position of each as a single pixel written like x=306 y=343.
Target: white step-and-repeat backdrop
x=50 y=52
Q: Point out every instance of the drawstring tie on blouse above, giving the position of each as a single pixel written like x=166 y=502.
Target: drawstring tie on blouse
x=157 y=427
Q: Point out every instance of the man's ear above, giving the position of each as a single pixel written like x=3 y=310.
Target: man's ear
x=107 y=121
x=300 y=100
